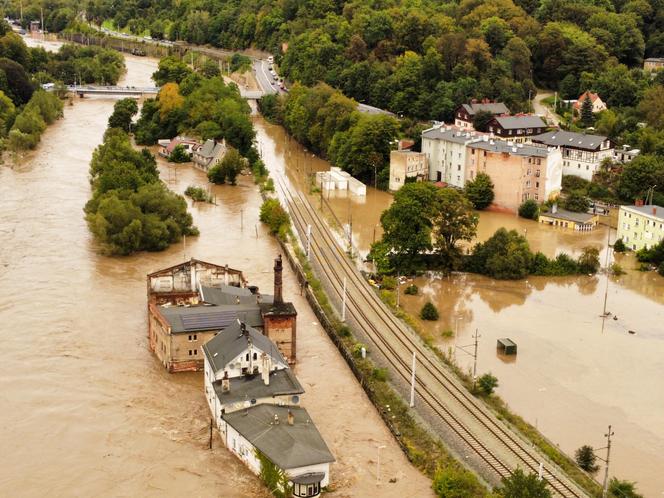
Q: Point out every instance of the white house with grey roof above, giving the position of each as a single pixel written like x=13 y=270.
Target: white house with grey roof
x=582 y=154
x=287 y=437
x=517 y=128
x=445 y=149
x=254 y=398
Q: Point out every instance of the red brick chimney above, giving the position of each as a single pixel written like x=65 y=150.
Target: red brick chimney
x=654 y=210
x=278 y=268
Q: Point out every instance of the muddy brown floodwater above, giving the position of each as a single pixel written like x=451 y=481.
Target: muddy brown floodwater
x=572 y=376
x=86 y=410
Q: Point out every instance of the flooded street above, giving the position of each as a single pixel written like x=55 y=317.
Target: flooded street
x=88 y=410
x=571 y=377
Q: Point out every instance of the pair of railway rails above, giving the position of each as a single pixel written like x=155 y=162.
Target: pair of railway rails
x=435 y=386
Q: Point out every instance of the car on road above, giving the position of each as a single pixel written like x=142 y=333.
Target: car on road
x=270 y=60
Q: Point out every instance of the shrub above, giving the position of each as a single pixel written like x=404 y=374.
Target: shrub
x=619 y=246
x=217 y=175
x=586 y=459
x=452 y=482
x=198 y=194
x=179 y=155
x=389 y=283
x=274 y=216
x=529 y=210
x=660 y=270
x=487 y=384
x=617 y=270
x=379 y=374
x=429 y=312
x=447 y=333
x=576 y=202
x=411 y=290
x=588 y=262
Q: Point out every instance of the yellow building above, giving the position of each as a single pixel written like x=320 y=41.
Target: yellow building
x=582 y=222
x=641 y=226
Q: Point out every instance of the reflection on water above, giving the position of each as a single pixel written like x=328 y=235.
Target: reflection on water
x=573 y=374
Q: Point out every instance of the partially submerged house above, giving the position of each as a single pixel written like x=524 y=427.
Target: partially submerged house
x=190 y=303
x=166 y=147
x=254 y=399
x=209 y=154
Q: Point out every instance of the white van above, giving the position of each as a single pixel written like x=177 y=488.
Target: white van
x=270 y=60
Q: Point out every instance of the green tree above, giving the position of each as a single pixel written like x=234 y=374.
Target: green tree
x=589 y=260
x=274 y=216
x=505 y=255
x=232 y=164
x=123 y=112
x=172 y=70
x=569 y=87
x=529 y=210
x=586 y=113
x=453 y=221
x=522 y=485
x=643 y=172
x=480 y=191
x=179 y=155
x=429 y=312
x=576 y=202
x=623 y=489
x=652 y=106
x=407 y=224
x=586 y=459
x=7 y=112
x=487 y=384
x=481 y=120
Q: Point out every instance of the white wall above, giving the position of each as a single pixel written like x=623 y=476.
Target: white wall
x=554 y=174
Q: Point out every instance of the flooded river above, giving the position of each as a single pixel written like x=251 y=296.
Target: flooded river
x=87 y=411
x=573 y=375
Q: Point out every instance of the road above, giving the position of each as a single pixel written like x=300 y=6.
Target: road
x=543 y=110
x=489 y=445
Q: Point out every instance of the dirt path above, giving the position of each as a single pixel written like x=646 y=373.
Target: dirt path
x=543 y=110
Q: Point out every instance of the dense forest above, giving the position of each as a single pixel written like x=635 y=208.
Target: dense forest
x=415 y=58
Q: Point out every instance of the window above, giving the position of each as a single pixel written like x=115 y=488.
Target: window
x=255 y=356
x=193 y=352
x=193 y=337
x=537 y=184
x=458 y=167
x=536 y=197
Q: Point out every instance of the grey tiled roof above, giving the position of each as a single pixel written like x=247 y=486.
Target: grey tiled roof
x=562 y=138
x=563 y=214
x=230 y=342
x=287 y=446
x=494 y=108
x=449 y=134
x=228 y=294
x=659 y=210
x=516 y=149
x=210 y=149
x=516 y=122
x=252 y=387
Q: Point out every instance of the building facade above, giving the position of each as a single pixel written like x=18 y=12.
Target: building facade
x=582 y=154
x=641 y=227
x=465 y=113
x=519 y=172
x=407 y=164
x=190 y=303
x=597 y=102
x=653 y=64
x=518 y=128
x=581 y=222
x=445 y=150
x=209 y=154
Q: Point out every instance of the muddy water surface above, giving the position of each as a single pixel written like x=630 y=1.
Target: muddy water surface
x=573 y=375
x=87 y=411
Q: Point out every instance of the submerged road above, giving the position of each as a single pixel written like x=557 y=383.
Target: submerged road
x=465 y=423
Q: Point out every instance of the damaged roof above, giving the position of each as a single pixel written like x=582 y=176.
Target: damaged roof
x=248 y=387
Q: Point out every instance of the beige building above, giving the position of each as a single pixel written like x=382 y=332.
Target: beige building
x=190 y=303
x=597 y=102
x=407 y=164
x=518 y=171
x=653 y=64
x=581 y=222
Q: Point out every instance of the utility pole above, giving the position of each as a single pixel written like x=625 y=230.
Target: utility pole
x=241 y=220
x=309 y=242
x=474 y=354
x=343 y=303
x=42 y=24
x=412 y=383
x=605 y=488
x=398 y=287
x=608 y=255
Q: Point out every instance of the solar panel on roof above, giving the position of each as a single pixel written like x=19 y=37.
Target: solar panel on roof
x=218 y=319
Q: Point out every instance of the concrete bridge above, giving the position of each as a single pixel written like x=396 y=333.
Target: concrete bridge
x=112 y=90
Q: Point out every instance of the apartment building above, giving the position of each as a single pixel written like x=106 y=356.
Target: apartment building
x=641 y=226
x=519 y=171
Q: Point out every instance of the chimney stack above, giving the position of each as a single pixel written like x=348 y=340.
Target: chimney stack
x=266 y=366
x=291 y=418
x=278 y=268
x=654 y=210
x=225 y=383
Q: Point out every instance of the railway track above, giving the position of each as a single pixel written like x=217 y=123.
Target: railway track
x=396 y=342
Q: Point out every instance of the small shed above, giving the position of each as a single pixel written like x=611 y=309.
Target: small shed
x=506 y=346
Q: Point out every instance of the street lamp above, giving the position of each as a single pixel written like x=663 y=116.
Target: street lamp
x=378 y=463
